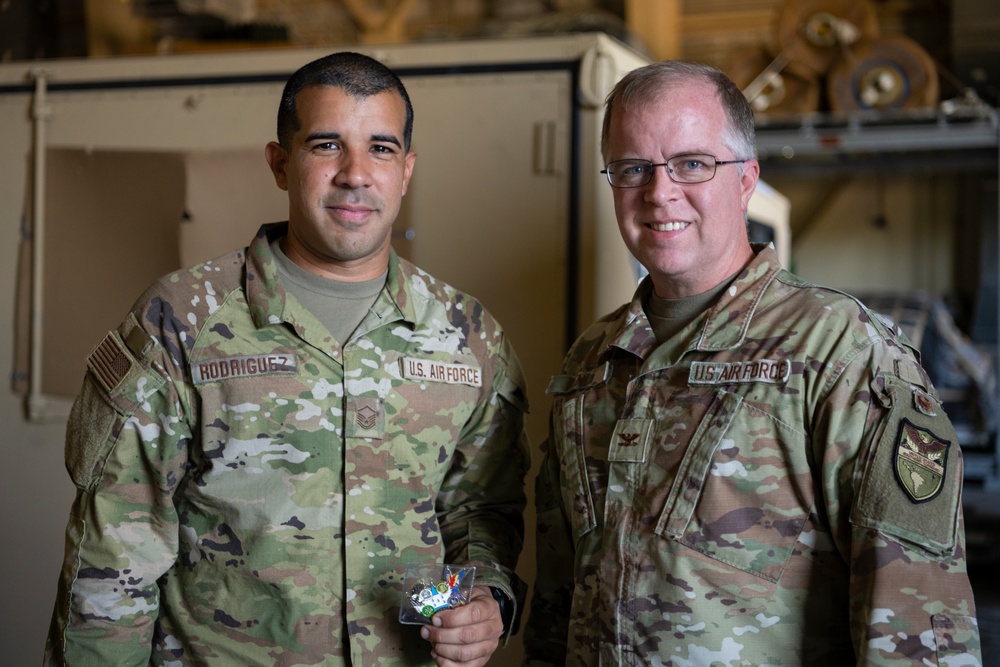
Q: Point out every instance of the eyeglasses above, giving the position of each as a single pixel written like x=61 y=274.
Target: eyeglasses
x=680 y=168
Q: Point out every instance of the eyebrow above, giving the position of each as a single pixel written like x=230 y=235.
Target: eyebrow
x=690 y=153
x=385 y=138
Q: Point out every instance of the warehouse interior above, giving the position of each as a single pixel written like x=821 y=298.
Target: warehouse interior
x=878 y=129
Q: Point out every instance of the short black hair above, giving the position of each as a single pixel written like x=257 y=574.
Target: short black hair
x=354 y=73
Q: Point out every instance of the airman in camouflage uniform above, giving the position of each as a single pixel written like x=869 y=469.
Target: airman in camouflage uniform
x=250 y=490
x=768 y=478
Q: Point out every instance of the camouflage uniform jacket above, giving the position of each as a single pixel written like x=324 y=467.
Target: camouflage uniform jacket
x=776 y=485
x=249 y=492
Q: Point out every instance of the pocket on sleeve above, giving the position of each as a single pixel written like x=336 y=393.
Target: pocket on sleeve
x=115 y=382
x=910 y=489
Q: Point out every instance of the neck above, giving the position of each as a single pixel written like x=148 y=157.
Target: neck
x=349 y=271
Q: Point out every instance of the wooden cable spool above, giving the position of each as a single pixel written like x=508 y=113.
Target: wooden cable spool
x=772 y=85
x=892 y=72
x=812 y=33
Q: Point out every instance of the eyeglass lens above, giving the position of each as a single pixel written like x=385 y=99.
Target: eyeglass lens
x=680 y=168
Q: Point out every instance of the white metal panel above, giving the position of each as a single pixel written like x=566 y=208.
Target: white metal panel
x=196 y=104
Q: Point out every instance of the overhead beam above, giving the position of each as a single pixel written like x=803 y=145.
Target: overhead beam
x=658 y=24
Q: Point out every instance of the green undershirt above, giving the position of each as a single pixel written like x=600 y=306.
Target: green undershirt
x=339 y=306
x=668 y=317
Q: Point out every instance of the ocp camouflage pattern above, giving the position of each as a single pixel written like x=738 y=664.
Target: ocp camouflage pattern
x=250 y=493
x=732 y=497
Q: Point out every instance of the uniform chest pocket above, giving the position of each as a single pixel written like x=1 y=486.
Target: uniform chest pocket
x=582 y=420
x=743 y=491
x=434 y=400
x=567 y=427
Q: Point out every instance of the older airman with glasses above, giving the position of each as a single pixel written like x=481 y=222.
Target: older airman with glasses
x=742 y=468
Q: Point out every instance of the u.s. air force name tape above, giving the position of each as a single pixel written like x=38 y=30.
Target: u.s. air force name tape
x=439 y=371
x=771 y=371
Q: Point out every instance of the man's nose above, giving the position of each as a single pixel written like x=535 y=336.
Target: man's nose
x=353 y=172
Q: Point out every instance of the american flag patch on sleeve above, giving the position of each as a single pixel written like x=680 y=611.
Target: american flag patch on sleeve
x=109 y=362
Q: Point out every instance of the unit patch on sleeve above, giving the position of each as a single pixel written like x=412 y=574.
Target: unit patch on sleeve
x=770 y=371
x=428 y=370
x=920 y=461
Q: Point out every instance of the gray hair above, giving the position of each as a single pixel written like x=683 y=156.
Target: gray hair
x=641 y=86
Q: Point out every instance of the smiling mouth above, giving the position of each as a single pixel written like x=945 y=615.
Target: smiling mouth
x=668 y=226
x=350 y=213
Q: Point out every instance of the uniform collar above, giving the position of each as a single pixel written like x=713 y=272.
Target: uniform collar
x=727 y=320
x=269 y=302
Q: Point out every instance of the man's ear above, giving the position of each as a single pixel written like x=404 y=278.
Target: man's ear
x=748 y=182
x=277 y=159
x=409 y=161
